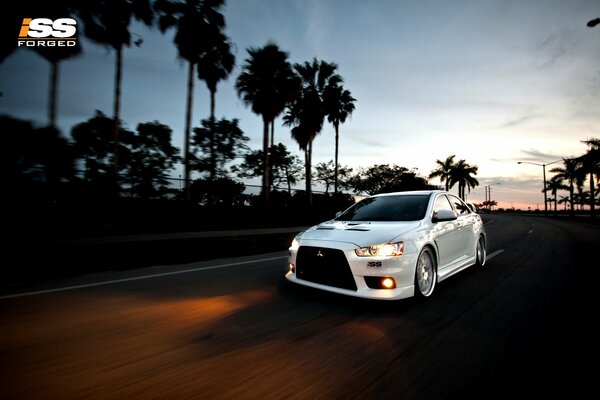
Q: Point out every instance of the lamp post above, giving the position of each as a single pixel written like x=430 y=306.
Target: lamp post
x=488 y=194
x=544 y=174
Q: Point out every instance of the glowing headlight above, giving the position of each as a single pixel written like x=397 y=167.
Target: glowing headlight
x=383 y=250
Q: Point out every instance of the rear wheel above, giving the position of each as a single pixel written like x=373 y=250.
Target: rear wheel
x=426 y=273
x=480 y=253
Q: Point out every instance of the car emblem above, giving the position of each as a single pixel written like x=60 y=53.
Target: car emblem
x=319 y=253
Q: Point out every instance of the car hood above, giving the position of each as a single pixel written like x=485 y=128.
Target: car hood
x=359 y=233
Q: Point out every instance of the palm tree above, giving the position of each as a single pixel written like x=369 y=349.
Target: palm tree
x=566 y=200
x=568 y=172
x=107 y=22
x=553 y=186
x=444 y=170
x=266 y=84
x=591 y=164
x=198 y=38
x=215 y=65
x=339 y=104
x=462 y=174
x=307 y=113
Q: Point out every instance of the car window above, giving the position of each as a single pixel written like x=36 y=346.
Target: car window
x=388 y=208
x=442 y=203
x=459 y=206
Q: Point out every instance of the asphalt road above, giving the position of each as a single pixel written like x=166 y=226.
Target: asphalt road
x=233 y=329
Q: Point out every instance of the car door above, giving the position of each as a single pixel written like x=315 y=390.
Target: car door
x=447 y=236
x=465 y=222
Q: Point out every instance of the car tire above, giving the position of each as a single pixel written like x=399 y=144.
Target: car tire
x=425 y=273
x=480 y=252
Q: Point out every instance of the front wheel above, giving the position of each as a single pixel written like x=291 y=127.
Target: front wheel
x=480 y=252
x=426 y=273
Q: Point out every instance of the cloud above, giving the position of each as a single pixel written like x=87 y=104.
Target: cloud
x=518 y=121
x=554 y=47
x=534 y=155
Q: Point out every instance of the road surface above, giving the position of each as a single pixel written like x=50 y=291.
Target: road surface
x=234 y=329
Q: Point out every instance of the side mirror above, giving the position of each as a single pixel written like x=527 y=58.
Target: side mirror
x=473 y=207
x=444 y=215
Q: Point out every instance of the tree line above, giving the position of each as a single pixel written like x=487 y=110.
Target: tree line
x=572 y=176
x=269 y=84
x=112 y=157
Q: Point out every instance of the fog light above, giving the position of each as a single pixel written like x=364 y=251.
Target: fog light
x=380 y=282
x=388 y=283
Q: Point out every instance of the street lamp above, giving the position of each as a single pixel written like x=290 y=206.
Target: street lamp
x=593 y=22
x=544 y=169
x=488 y=194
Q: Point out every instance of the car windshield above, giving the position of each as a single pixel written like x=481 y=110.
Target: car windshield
x=388 y=208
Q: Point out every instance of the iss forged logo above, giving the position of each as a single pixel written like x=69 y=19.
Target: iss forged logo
x=44 y=32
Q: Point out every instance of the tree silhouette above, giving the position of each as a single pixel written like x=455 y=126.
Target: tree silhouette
x=286 y=168
x=462 y=174
x=226 y=191
x=307 y=112
x=34 y=157
x=339 y=105
x=216 y=143
x=327 y=174
x=266 y=84
x=151 y=157
x=199 y=25
x=553 y=186
x=569 y=172
x=107 y=22
x=387 y=178
x=590 y=163
x=443 y=170
x=94 y=144
x=215 y=64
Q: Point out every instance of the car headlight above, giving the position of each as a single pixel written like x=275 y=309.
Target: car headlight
x=295 y=243
x=381 y=250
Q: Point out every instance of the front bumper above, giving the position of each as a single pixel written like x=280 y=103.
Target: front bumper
x=327 y=262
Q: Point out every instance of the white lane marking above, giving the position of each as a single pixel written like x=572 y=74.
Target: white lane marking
x=135 y=278
x=494 y=254
x=529 y=232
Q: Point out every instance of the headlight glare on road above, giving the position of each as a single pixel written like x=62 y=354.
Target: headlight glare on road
x=381 y=250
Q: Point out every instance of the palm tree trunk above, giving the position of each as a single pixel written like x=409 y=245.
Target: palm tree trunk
x=212 y=105
x=337 y=147
x=571 y=201
x=308 y=173
x=117 y=107
x=53 y=93
x=273 y=132
x=592 y=197
x=186 y=139
x=265 y=178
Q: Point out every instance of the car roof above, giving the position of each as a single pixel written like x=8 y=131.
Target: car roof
x=412 y=192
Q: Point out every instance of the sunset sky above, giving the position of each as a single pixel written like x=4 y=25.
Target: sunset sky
x=493 y=82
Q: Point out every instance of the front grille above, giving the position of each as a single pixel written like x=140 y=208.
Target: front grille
x=324 y=266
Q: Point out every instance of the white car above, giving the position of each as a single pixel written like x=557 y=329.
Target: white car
x=390 y=246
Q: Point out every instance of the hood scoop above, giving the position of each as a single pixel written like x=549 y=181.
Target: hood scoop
x=348 y=227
